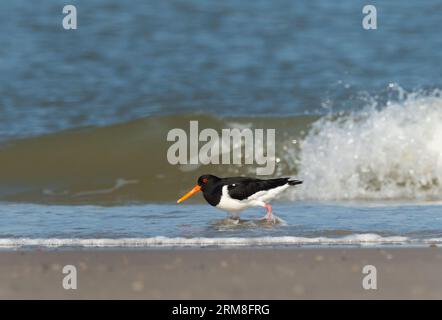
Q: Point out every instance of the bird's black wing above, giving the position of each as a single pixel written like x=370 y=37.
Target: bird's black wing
x=241 y=189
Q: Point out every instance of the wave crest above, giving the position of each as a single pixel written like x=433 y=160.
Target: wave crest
x=378 y=153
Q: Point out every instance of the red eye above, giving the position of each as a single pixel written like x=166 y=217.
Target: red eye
x=205 y=180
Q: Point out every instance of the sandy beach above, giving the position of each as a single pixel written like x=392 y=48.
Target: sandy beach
x=300 y=273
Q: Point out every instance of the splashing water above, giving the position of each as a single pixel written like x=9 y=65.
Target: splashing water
x=389 y=153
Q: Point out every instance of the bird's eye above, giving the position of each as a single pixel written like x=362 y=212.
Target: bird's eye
x=205 y=180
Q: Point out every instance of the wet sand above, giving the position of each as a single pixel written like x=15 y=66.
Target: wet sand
x=300 y=273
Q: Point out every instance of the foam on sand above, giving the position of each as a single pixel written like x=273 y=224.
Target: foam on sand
x=357 y=239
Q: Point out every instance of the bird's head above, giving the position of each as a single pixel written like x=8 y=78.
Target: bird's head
x=204 y=182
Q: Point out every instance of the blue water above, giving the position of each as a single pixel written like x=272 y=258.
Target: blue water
x=151 y=225
x=140 y=58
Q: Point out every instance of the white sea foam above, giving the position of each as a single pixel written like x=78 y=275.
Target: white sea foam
x=358 y=239
x=394 y=152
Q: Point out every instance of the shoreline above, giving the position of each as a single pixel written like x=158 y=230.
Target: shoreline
x=177 y=248
x=240 y=273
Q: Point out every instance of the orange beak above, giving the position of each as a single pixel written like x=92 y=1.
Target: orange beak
x=189 y=194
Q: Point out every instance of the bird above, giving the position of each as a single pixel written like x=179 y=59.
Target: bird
x=234 y=194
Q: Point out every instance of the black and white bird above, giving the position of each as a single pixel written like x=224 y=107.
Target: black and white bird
x=238 y=193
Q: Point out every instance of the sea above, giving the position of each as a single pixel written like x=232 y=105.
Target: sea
x=85 y=113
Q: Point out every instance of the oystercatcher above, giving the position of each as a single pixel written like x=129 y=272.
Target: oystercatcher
x=239 y=193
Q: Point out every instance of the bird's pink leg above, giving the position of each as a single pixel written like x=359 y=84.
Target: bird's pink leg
x=269 y=214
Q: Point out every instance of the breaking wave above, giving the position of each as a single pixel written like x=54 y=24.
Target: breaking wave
x=394 y=152
x=390 y=151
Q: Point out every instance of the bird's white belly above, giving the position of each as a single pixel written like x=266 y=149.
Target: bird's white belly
x=229 y=204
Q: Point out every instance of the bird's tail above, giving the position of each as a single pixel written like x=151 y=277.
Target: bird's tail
x=294 y=182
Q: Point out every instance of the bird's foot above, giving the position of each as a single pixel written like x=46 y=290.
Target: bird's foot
x=269 y=219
